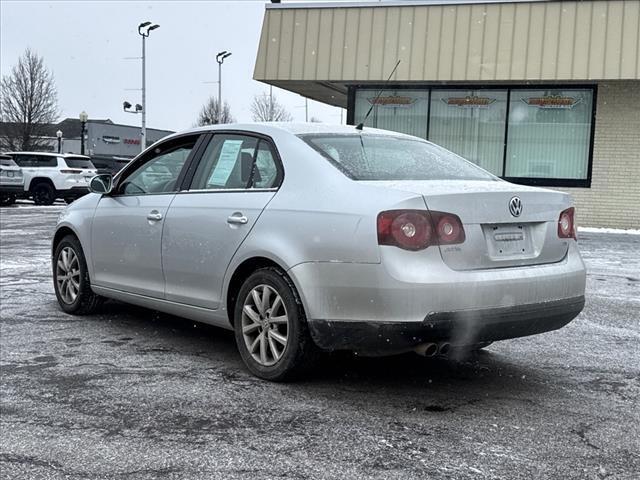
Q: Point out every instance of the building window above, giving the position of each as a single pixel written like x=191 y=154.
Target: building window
x=549 y=134
x=471 y=124
x=403 y=111
x=540 y=136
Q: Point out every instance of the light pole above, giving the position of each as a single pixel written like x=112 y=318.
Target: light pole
x=59 y=135
x=143 y=30
x=220 y=59
x=83 y=122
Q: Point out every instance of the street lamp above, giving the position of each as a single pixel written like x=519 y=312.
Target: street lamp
x=59 y=135
x=220 y=59
x=83 y=122
x=143 y=30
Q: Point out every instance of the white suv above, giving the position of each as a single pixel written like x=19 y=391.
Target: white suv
x=11 y=181
x=48 y=176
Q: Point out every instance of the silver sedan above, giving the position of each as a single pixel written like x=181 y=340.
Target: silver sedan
x=308 y=238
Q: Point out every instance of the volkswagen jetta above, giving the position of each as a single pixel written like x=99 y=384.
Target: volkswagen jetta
x=308 y=238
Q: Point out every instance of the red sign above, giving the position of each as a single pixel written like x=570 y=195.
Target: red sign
x=131 y=141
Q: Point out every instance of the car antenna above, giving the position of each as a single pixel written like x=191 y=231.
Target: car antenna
x=360 y=126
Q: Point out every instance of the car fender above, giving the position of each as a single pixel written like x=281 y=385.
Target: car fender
x=78 y=217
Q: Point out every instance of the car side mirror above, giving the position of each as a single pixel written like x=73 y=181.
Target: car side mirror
x=101 y=184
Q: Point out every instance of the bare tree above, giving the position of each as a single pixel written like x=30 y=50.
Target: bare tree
x=29 y=104
x=210 y=113
x=265 y=108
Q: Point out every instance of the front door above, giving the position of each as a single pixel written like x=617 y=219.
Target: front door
x=127 y=226
x=236 y=178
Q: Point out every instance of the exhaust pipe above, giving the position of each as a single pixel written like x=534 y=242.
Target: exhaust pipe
x=426 y=349
x=444 y=348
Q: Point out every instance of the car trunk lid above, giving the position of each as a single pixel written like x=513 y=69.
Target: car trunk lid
x=495 y=237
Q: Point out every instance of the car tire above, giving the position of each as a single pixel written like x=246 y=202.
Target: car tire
x=7 y=199
x=43 y=194
x=73 y=292
x=280 y=319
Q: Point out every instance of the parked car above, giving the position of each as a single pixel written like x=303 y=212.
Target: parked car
x=11 y=180
x=309 y=238
x=48 y=176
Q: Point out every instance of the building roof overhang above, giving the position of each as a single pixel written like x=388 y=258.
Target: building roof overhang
x=319 y=49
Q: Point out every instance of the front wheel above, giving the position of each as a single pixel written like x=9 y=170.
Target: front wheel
x=71 y=278
x=271 y=328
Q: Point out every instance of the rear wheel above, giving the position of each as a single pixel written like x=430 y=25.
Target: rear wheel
x=271 y=328
x=7 y=199
x=71 y=278
x=43 y=194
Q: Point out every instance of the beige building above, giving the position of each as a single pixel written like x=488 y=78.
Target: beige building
x=538 y=92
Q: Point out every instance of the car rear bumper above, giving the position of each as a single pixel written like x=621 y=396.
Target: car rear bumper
x=430 y=298
x=15 y=189
x=466 y=327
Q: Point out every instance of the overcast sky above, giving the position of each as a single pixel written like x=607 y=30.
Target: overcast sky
x=85 y=45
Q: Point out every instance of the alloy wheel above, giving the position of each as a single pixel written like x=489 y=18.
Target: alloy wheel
x=68 y=275
x=265 y=325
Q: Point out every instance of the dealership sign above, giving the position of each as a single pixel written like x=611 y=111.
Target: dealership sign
x=392 y=101
x=110 y=139
x=552 y=101
x=470 y=101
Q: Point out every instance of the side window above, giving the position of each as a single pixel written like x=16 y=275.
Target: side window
x=45 y=161
x=24 y=160
x=265 y=174
x=226 y=163
x=159 y=173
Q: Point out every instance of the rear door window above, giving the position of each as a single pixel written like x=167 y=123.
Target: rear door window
x=226 y=163
x=235 y=161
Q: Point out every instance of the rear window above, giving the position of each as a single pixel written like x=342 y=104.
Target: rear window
x=378 y=157
x=78 y=162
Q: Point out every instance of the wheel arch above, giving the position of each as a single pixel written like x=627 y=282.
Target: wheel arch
x=62 y=232
x=37 y=180
x=243 y=271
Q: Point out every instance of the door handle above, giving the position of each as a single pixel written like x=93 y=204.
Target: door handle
x=154 y=216
x=237 y=219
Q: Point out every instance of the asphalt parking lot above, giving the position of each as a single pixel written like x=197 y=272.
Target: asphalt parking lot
x=130 y=393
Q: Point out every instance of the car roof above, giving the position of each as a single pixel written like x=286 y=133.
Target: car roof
x=271 y=128
x=49 y=154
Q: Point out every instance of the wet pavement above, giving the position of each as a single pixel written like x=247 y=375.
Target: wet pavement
x=130 y=393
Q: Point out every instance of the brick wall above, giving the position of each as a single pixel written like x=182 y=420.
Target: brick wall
x=614 y=197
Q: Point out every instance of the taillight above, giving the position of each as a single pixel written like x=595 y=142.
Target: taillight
x=71 y=171
x=418 y=229
x=566 y=224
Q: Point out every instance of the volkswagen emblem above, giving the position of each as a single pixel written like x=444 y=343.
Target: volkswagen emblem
x=515 y=206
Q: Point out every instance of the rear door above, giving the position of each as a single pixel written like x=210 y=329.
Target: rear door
x=236 y=177
x=127 y=226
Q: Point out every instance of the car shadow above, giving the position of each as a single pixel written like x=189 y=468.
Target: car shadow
x=455 y=378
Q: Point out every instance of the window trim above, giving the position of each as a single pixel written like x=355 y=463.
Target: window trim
x=191 y=171
x=149 y=155
x=534 y=181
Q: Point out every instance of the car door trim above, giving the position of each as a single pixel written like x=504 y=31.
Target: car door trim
x=192 y=312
